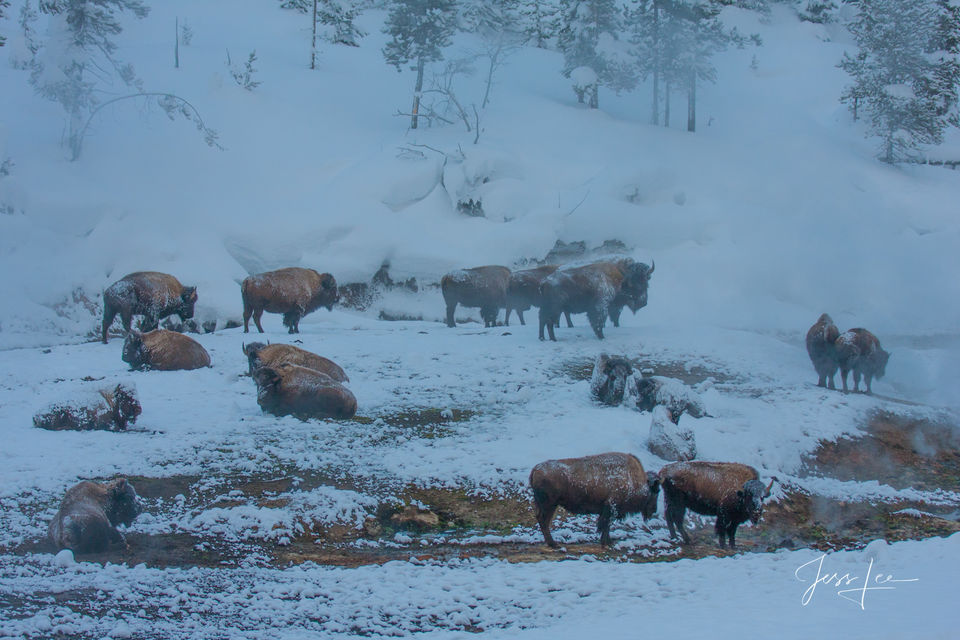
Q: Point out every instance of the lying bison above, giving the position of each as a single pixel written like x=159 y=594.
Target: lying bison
x=822 y=349
x=524 y=291
x=272 y=355
x=728 y=490
x=108 y=410
x=611 y=375
x=150 y=294
x=293 y=291
x=164 y=351
x=671 y=393
x=89 y=514
x=484 y=287
x=859 y=351
x=593 y=289
x=612 y=485
x=289 y=389
x=668 y=439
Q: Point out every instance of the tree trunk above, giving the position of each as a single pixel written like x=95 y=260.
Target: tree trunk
x=666 y=104
x=655 y=111
x=595 y=96
x=416 y=94
x=313 y=39
x=176 y=46
x=692 y=102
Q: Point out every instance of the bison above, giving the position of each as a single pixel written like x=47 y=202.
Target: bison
x=671 y=393
x=89 y=514
x=859 y=351
x=524 y=291
x=164 y=351
x=484 y=287
x=610 y=377
x=289 y=389
x=293 y=291
x=151 y=294
x=593 y=289
x=110 y=410
x=612 y=485
x=270 y=355
x=822 y=349
x=729 y=490
x=632 y=297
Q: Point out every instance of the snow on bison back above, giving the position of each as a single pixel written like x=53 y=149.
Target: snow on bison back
x=152 y=294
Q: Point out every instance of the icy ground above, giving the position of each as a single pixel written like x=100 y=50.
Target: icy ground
x=525 y=401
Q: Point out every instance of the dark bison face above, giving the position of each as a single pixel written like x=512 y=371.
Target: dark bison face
x=635 y=283
x=127 y=405
x=612 y=380
x=133 y=352
x=751 y=499
x=328 y=294
x=881 y=363
x=124 y=505
x=187 y=301
x=650 y=505
x=266 y=379
x=252 y=351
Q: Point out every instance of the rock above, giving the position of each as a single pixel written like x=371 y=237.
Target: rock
x=669 y=440
x=412 y=517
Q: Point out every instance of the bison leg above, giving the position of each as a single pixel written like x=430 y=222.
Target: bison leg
x=544 y=518
x=247 y=312
x=489 y=315
x=257 y=314
x=109 y=313
x=731 y=534
x=615 y=315
x=450 y=309
x=569 y=321
x=603 y=524
x=830 y=384
x=597 y=320
x=506 y=318
x=721 y=529
x=867 y=380
x=822 y=382
x=843 y=378
x=520 y=315
x=675 y=514
x=856 y=380
x=546 y=321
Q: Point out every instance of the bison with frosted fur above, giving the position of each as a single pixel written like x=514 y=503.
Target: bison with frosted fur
x=164 y=351
x=668 y=439
x=822 y=349
x=610 y=377
x=272 y=355
x=108 y=410
x=289 y=389
x=729 y=490
x=89 y=514
x=592 y=289
x=483 y=287
x=859 y=351
x=612 y=485
x=671 y=393
x=151 y=294
x=293 y=291
x=524 y=291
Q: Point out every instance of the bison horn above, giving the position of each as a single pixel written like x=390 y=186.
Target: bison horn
x=766 y=494
x=653 y=265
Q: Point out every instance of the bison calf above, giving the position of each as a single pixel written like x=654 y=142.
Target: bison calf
x=293 y=291
x=859 y=351
x=729 y=490
x=151 y=294
x=484 y=287
x=612 y=485
x=89 y=514
x=822 y=349
x=289 y=389
x=110 y=410
x=272 y=355
x=164 y=351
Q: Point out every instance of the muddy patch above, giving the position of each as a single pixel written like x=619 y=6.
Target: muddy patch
x=582 y=369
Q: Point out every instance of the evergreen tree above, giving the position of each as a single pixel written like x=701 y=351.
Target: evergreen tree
x=539 y=21
x=590 y=41
x=4 y=5
x=340 y=17
x=905 y=73
x=418 y=30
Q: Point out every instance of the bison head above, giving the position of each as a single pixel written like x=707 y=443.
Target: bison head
x=752 y=496
x=126 y=406
x=252 y=351
x=610 y=379
x=187 y=301
x=635 y=282
x=123 y=505
x=134 y=352
x=653 y=492
x=880 y=358
x=328 y=294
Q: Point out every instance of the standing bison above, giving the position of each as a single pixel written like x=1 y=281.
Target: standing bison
x=272 y=355
x=729 y=490
x=293 y=291
x=859 y=351
x=612 y=485
x=289 y=389
x=593 y=289
x=822 y=349
x=484 y=287
x=151 y=294
x=524 y=291
x=87 y=519
x=164 y=351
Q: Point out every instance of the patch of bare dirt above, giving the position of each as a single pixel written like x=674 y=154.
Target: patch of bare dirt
x=582 y=369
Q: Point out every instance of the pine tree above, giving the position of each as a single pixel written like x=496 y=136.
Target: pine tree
x=340 y=16
x=418 y=30
x=905 y=73
x=539 y=21
x=4 y=5
x=590 y=41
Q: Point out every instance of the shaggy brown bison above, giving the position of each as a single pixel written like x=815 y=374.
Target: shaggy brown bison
x=612 y=485
x=524 y=291
x=289 y=389
x=484 y=287
x=164 y=351
x=822 y=349
x=271 y=355
x=293 y=291
x=859 y=351
x=89 y=514
x=593 y=289
x=729 y=490
x=150 y=294
x=110 y=410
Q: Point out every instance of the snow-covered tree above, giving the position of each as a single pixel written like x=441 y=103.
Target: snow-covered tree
x=539 y=21
x=339 y=16
x=4 y=5
x=905 y=73
x=820 y=11
x=418 y=30
x=590 y=40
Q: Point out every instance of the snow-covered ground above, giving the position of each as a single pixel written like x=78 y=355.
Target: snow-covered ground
x=772 y=213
